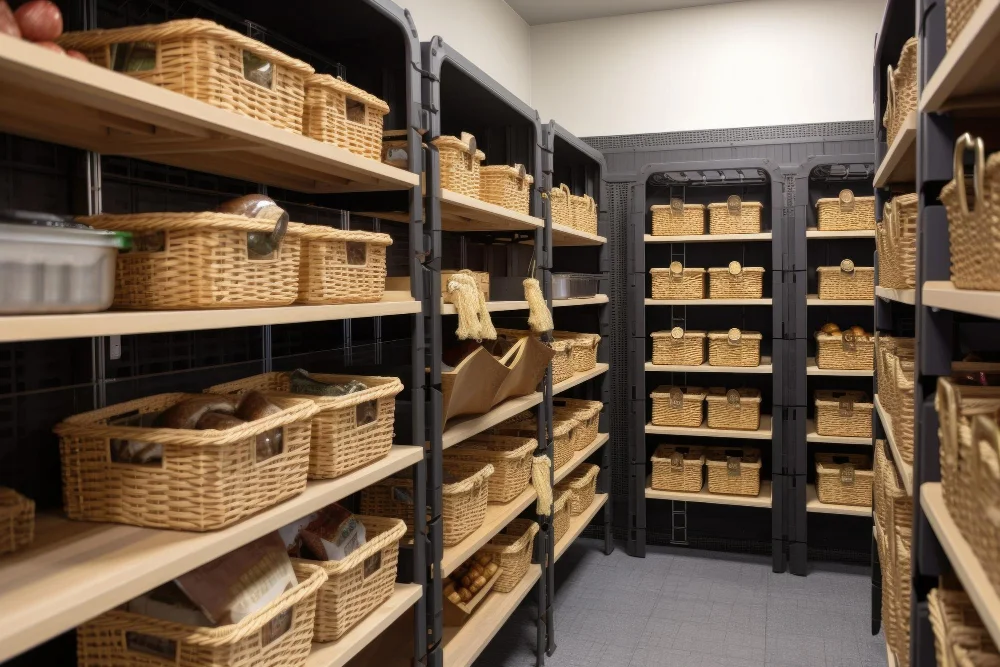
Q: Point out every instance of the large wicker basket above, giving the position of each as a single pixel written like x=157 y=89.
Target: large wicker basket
x=677 y=282
x=957 y=15
x=678 y=347
x=588 y=417
x=358 y=584
x=560 y=514
x=511 y=459
x=844 y=479
x=901 y=90
x=460 y=164
x=562 y=362
x=678 y=406
x=846 y=352
x=348 y=432
x=845 y=213
x=343 y=115
x=206 y=479
x=564 y=427
x=559 y=203
x=200 y=260
x=678 y=219
x=582 y=482
x=734 y=216
x=983 y=530
x=733 y=471
x=341 y=266
x=509 y=187
x=17 y=520
x=678 y=468
x=584 y=355
x=737 y=409
x=583 y=213
x=896 y=243
x=846 y=281
x=960 y=638
x=843 y=413
x=511 y=551
x=203 y=60
x=736 y=282
x=734 y=348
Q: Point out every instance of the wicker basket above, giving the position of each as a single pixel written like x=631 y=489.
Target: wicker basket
x=560 y=514
x=733 y=471
x=17 y=520
x=734 y=216
x=559 y=202
x=460 y=164
x=676 y=282
x=678 y=468
x=902 y=585
x=678 y=406
x=511 y=459
x=843 y=413
x=584 y=355
x=734 y=348
x=279 y=635
x=737 y=409
x=901 y=90
x=896 y=241
x=588 y=417
x=340 y=266
x=204 y=262
x=343 y=115
x=348 y=432
x=583 y=213
x=845 y=213
x=678 y=219
x=983 y=529
x=960 y=638
x=359 y=583
x=878 y=495
x=206 y=479
x=844 y=479
x=846 y=281
x=900 y=376
x=975 y=233
x=511 y=551
x=509 y=187
x=562 y=362
x=564 y=438
x=736 y=282
x=204 y=61
x=957 y=14
x=678 y=347
x=582 y=482
x=849 y=352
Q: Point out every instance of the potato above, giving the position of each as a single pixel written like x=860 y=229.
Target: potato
x=479 y=582
x=475 y=570
x=491 y=569
x=8 y=24
x=473 y=589
x=483 y=559
x=466 y=580
x=858 y=331
x=39 y=20
x=448 y=590
x=455 y=598
x=464 y=594
x=830 y=328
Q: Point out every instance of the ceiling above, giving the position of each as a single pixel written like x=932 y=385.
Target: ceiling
x=536 y=12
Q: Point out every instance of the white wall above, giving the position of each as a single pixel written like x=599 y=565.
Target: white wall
x=759 y=62
x=487 y=32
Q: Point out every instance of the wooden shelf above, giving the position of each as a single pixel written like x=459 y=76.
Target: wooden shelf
x=76 y=570
x=578 y=524
x=905 y=469
x=813 y=369
x=708 y=302
x=498 y=306
x=497 y=518
x=707 y=238
x=579 y=378
x=813 y=233
x=462 y=645
x=581 y=456
x=814 y=505
x=813 y=436
x=66 y=101
x=900 y=162
x=899 y=295
x=464 y=428
x=762 y=499
x=764 y=368
x=943 y=294
x=968 y=69
x=762 y=433
x=567 y=236
x=814 y=300
x=460 y=213
x=340 y=652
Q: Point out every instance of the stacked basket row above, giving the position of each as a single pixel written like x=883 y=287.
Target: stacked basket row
x=575 y=425
x=462 y=172
x=730 y=471
x=734 y=216
x=893 y=510
x=733 y=282
x=960 y=637
x=735 y=409
x=575 y=211
x=895 y=389
x=734 y=348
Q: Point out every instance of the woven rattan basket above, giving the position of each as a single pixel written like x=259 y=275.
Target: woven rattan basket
x=460 y=164
x=678 y=219
x=678 y=468
x=678 y=406
x=734 y=216
x=588 y=417
x=511 y=551
x=983 y=529
x=560 y=514
x=17 y=520
x=562 y=362
x=846 y=281
x=845 y=351
x=200 y=260
x=902 y=579
x=509 y=187
x=677 y=282
x=564 y=438
x=843 y=413
x=559 y=202
x=737 y=409
x=678 y=347
x=845 y=213
x=340 y=266
x=957 y=15
x=358 y=584
x=582 y=482
x=734 y=348
x=204 y=61
x=204 y=480
x=584 y=356
x=511 y=459
x=583 y=213
x=736 y=282
x=901 y=90
x=343 y=115
x=974 y=227
x=844 y=479
x=896 y=243
x=348 y=432
x=733 y=471
x=960 y=638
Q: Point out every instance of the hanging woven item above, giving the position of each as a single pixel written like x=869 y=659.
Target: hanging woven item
x=541 y=479
x=539 y=316
x=473 y=319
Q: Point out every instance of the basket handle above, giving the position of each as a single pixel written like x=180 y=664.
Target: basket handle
x=987 y=442
x=565 y=188
x=591 y=204
x=520 y=176
x=890 y=94
x=964 y=143
x=471 y=143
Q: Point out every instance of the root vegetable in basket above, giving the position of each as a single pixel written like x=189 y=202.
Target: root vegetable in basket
x=332 y=533
x=218 y=421
x=188 y=412
x=39 y=21
x=830 y=328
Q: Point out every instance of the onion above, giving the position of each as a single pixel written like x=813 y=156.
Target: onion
x=39 y=20
x=51 y=46
x=8 y=24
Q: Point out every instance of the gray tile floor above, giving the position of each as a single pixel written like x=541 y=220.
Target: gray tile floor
x=686 y=608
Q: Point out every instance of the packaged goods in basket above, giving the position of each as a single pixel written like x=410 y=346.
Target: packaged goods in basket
x=678 y=406
x=678 y=347
x=846 y=281
x=559 y=204
x=845 y=213
x=560 y=513
x=734 y=216
x=974 y=226
x=734 y=348
x=17 y=520
x=507 y=187
x=511 y=459
x=582 y=483
x=460 y=164
x=843 y=413
x=584 y=355
x=901 y=90
x=511 y=552
x=677 y=282
x=185 y=461
x=844 y=479
x=896 y=243
x=960 y=637
x=338 y=113
x=957 y=15
x=736 y=282
x=202 y=60
x=852 y=349
x=733 y=471
x=678 y=219
x=678 y=468
x=736 y=409
x=341 y=266
x=586 y=413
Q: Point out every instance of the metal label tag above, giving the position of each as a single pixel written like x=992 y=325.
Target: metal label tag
x=676 y=269
x=849 y=340
x=847 y=474
x=733 y=467
x=676 y=460
x=735 y=335
x=677 y=333
x=676 y=206
x=846 y=407
x=733 y=397
x=735 y=268
x=846 y=201
x=372 y=565
x=847 y=266
x=676 y=398
x=735 y=205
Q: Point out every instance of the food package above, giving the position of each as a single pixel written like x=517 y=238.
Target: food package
x=260 y=245
x=169 y=603
x=300 y=382
x=332 y=533
x=254 y=405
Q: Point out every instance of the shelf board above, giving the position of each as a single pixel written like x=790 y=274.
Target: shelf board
x=579 y=378
x=764 y=368
x=813 y=369
x=581 y=456
x=905 y=469
x=898 y=295
x=66 y=101
x=460 y=213
x=813 y=233
x=814 y=505
x=76 y=570
x=968 y=69
x=943 y=294
x=15 y=328
x=813 y=436
x=567 y=236
x=762 y=433
x=497 y=518
x=814 y=300
x=708 y=302
x=462 y=645
x=340 y=652
x=463 y=428
x=762 y=499
x=578 y=524
x=497 y=306
x=900 y=163
x=707 y=238
x=962 y=558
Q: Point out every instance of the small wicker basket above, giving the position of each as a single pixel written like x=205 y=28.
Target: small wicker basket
x=564 y=438
x=736 y=282
x=845 y=351
x=845 y=213
x=844 y=479
x=843 y=413
x=677 y=282
x=734 y=348
x=584 y=356
x=901 y=90
x=559 y=202
x=678 y=406
x=678 y=347
x=957 y=14
x=460 y=164
x=17 y=520
x=678 y=468
x=562 y=362
x=511 y=459
x=737 y=409
x=678 y=219
x=341 y=266
x=560 y=514
x=960 y=638
x=582 y=482
x=733 y=471
x=588 y=417
x=846 y=281
x=508 y=187
x=343 y=115
x=896 y=241
x=583 y=213
x=511 y=551
x=734 y=216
